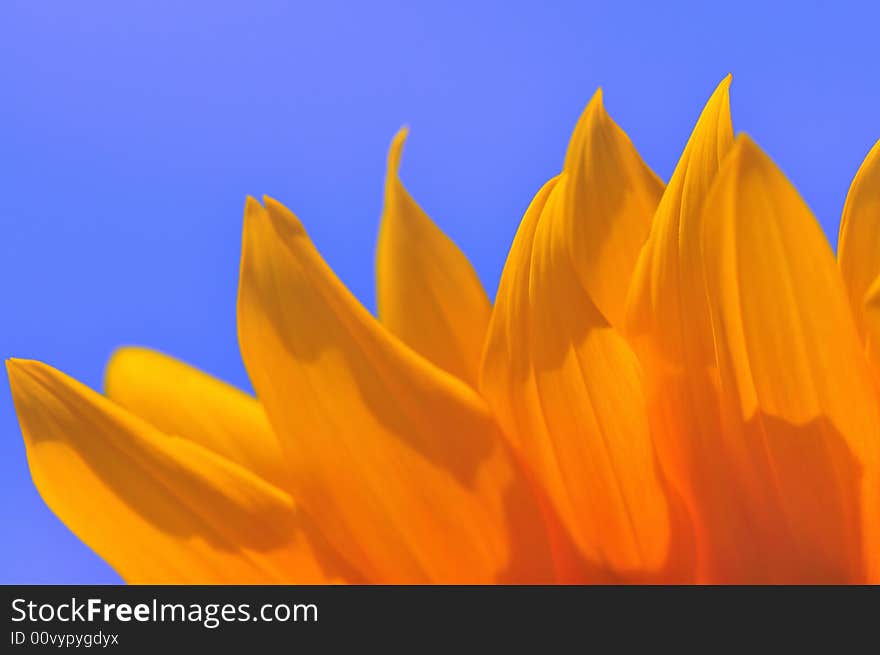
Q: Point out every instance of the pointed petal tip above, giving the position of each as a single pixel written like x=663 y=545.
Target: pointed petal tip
x=593 y=119
x=595 y=107
x=26 y=379
x=747 y=159
x=272 y=205
x=12 y=366
x=252 y=206
x=395 y=152
x=723 y=87
x=746 y=150
x=283 y=218
x=744 y=141
x=401 y=134
x=16 y=366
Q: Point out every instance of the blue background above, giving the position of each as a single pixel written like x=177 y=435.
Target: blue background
x=130 y=133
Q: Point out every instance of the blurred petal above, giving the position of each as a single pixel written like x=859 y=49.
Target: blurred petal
x=428 y=294
x=800 y=453
x=181 y=400
x=858 y=245
x=399 y=462
x=159 y=509
x=609 y=200
x=567 y=390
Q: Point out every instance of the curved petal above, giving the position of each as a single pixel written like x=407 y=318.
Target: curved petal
x=668 y=324
x=800 y=453
x=179 y=399
x=428 y=294
x=858 y=244
x=399 y=462
x=666 y=302
x=158 y=508
x=567 y=390
x=609 y=201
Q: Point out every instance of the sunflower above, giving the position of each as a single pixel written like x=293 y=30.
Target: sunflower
x=675 y=383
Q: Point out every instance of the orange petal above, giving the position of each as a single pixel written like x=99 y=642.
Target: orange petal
x=399 y=462
x=669 y=326
x=567 y=390
x=609 y=200
x=157 y=508
x=858 y=245
x=428 y=294
x=179 y=399
x=800 y=454
x=666 y=302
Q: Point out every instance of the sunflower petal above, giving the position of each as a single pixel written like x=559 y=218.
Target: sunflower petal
x=609 y=200
x=159 y=509
x=665 y=301
x=858 y=244
x=800 y=452
x=567 y=390
x=668 y=324
x=179 y=399
x=399 y=462
x=428 y=294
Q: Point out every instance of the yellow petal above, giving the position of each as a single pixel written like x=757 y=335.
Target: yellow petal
x=668 y=324
x=568 y=392
x=157 y=508
x=428 y=294
x=399 y=462
x=610 y=199
x=179 y=399
x=800 y=454
x=858 y=245
x=665 y=300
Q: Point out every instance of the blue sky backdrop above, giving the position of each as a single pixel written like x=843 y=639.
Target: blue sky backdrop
x=130 y=133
